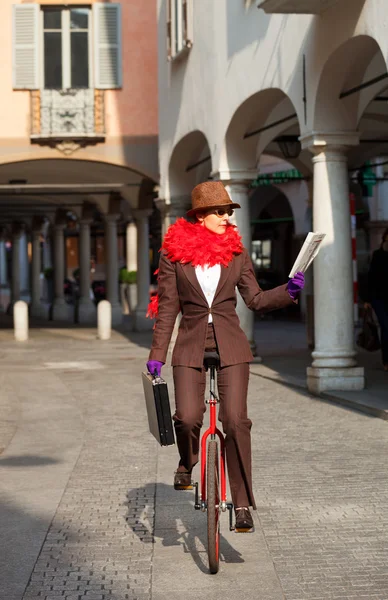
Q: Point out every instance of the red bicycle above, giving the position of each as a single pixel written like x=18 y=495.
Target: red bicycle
x=212 y=498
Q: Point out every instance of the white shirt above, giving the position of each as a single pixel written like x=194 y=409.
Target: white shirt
x=208 y=278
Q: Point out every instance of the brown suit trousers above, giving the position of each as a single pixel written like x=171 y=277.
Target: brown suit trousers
x=179 y=291
x=232 y=384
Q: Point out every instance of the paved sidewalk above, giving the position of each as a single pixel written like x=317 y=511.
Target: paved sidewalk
x=85 y=491
x=87 y=511
x=283 y=348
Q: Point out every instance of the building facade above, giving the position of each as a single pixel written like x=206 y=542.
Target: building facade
x=248 y=90
x=78 y=147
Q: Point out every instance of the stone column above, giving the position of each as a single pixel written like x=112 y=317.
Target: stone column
x=61 y=310
x=3 y=260
x=141 y=323
x=17 y=232
x=164 y=213
x=177 y=208
x=334 y=358
x=237 y=185
x=36 y=309
x=129 y=293
x=47 y=258
x=308 y=291
x=3 y=271
x=131 y=235
x=112 y=267
x=86 y=309
x=24 y=268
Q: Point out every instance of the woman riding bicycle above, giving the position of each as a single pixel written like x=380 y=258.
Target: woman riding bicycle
x=200 y=266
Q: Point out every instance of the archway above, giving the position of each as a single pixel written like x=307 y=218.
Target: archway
x=353 y=74
x=260 y=120
x=190 y=163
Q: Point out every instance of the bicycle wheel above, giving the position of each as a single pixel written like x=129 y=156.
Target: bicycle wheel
x=213 y=507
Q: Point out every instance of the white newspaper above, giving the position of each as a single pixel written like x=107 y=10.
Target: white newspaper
x=307 y=253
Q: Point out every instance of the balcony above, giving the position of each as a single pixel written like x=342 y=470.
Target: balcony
x=72 y=116
x=311 y=7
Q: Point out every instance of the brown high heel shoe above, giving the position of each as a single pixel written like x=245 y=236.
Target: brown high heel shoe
x=182 y=480
x=244 y=520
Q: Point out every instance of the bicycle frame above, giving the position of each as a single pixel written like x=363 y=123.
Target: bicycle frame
x=213 y=431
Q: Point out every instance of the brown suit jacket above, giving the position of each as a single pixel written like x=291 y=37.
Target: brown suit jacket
x=179 y=290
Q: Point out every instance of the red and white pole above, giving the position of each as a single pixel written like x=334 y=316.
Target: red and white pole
x=352 y=199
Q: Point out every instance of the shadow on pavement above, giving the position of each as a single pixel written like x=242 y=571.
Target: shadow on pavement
x=180 y=528
x=23 y=570
x=27 y=460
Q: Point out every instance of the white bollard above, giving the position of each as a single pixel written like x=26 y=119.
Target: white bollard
x=20 y=321
x=104 y=319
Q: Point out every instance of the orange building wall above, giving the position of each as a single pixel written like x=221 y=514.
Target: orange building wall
x=135 y=106
x=131 y=111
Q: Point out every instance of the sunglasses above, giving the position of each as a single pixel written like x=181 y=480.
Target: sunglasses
x=221 y=212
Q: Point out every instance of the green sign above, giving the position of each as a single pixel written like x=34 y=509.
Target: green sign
x=277 y=177
x=368 y=179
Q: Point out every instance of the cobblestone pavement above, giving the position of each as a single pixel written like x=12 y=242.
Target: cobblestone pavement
x=120 y=532
x=322 y=491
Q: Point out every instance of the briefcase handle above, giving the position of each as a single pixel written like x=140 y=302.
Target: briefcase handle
x=155 y=377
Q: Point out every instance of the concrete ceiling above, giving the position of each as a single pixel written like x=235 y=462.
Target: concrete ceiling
x=39 y=187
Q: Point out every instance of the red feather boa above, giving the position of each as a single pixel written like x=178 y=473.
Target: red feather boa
x=193 y=243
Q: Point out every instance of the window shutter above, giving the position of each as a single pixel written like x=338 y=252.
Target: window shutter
x=107 y=46
x=169 y=37
x=25 y=50
x=188 y=23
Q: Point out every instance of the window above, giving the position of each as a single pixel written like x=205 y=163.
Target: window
x=66 y=48
x=179 y=27
x=63 y=47
x=261 y=253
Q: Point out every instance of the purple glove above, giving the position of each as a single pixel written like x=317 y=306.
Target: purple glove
x=155 y=365
x=295 y=285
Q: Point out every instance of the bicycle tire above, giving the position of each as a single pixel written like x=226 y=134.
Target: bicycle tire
x=213 y=507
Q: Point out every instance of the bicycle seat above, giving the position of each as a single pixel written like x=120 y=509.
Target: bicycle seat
x=211 y=359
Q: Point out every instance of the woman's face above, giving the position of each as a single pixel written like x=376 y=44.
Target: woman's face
x=215 y=222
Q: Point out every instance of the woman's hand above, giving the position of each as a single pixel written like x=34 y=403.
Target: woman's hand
x=295 y=285
x=367 y=305
x=155 y=365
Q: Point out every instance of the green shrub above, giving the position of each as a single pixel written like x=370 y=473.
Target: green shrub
x=126 y=276
x=48 y=273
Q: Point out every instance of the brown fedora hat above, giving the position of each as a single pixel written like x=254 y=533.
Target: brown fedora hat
x=210 y=194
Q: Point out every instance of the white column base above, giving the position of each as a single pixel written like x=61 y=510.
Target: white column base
x=117 y=314
x=39 y=311
x=62 y=311
x=87 y=312
x=335 y=379
x=141 y=322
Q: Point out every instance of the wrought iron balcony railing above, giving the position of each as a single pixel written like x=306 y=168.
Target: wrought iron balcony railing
x=67 y=114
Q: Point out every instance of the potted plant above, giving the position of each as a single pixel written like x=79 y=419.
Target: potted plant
x=128 y=290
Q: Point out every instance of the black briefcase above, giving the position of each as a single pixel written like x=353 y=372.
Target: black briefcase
x=158 y=409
